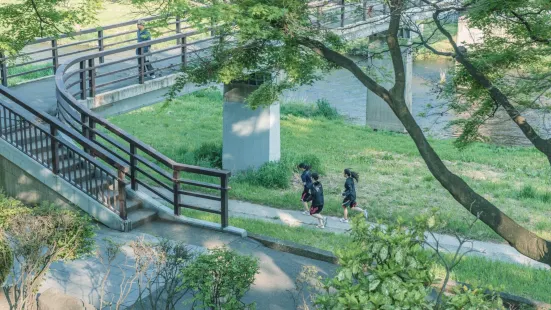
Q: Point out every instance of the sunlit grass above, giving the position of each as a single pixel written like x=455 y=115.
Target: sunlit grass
x=394 y=179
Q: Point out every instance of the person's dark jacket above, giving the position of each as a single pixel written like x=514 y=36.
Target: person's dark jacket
x=306 y=178
x=316 y=193
x=143 y=35
x=349 y=190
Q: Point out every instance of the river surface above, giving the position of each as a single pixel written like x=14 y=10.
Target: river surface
x=349 y=96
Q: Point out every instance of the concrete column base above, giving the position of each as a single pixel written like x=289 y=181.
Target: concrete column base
x=250 y=137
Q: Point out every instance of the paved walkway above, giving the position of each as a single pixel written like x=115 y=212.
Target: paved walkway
x=294 y=218
x=271 y=289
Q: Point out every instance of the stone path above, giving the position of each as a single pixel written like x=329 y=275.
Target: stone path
x=294 y=218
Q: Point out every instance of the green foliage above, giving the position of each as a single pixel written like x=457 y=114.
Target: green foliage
x=312 y=160
x=22 y=21
x=322 y=109
x=69 y=234
x=381 y=269
x=211 y=153
x=274 y=175
x=514 y=56
x=10 y=207
x=220 y=279
x=6 y=259
x=464 y=298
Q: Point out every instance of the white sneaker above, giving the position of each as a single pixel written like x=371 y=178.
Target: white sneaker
x=305 y=212
x=344 y=220
x=153 y=76
x=320 y=226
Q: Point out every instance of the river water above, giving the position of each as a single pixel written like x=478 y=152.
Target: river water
x=349 y=96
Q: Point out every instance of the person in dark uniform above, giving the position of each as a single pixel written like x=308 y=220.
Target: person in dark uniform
x=349 y=195
x=316 y=196
x=306 y=183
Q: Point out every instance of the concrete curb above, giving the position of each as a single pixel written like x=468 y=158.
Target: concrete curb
x=295 y=248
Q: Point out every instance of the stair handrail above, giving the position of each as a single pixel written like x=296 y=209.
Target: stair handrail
x=85 y=121
x=55 y=128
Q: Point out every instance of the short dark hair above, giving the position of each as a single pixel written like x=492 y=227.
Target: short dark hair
x=304 y=166
x=315 y=176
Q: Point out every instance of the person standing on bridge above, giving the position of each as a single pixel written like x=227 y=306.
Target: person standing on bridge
x=144 y=35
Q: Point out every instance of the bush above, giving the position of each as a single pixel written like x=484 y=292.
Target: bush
x=322 y=108
x=381 y=269
x=312 y=160
x=6 y=260
x=220 y=279
x=9 y=208
x=211 y=153
x=274 y=175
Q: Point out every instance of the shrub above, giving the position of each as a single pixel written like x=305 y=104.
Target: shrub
x=39 y=238
x=467 y=298
x=324 y=109
x=276 y=175
x=6 y=260
x=381 y=269
x=312 y=160
x=220 y=279
x=9 y=208
x=211 y=153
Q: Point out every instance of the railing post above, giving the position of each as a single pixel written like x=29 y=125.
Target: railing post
x=342 y=13
x=82 y=76
x=184 y=52
x=92 y=77
x=365 y=11
x=55 y=55
x=133 y=163
x=178 y=29
x=121 y=194
x=100 y=45
x=319 y=14
x=54 y=147
x=176 y=189
x=224 y=199
x=141 y=65
x=3 y=69
x=85 y=132
x=91 y=128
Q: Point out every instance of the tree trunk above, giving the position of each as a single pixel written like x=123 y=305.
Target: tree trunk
x=526 y=242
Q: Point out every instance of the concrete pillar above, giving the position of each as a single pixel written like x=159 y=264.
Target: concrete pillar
x=379 y=116
x=467 y=35
x=250 y=137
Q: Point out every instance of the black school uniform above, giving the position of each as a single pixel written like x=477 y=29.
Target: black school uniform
x=316 y=194
x=349 y=194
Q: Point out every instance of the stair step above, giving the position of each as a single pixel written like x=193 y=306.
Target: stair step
x=141 y=216
x=22 y=136
x=133 y=205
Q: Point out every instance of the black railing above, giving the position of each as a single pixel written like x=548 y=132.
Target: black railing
x=148 y=168
x=40 y=136
x=45 y=59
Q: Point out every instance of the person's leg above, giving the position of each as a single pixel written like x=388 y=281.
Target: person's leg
x=320 y=219
x=355 y=207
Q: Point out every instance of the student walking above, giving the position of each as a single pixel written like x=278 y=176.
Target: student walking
x=306 y=183
x=349 y=195
x=316 y=196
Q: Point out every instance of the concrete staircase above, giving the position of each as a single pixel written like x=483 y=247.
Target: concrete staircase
x=77 y=172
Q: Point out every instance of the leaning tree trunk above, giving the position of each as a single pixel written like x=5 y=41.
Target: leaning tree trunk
x=526 y=242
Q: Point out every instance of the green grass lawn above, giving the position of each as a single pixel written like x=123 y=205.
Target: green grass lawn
x=29 y=76
x=506 y=277
x=394 y=181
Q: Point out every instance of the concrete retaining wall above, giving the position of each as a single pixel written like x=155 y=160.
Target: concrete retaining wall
x=27 y=180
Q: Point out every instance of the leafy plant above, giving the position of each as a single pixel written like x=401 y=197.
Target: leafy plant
x=381 y=269
x=210 y=152
x=472 y=299
x=38 y=238
x=324 y=109
x=220 y=279
x=275 y=175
